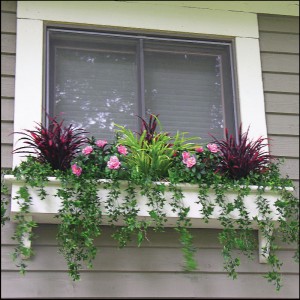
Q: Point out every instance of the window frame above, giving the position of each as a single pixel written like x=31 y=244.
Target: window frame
x=141 y=39
x=241 y=27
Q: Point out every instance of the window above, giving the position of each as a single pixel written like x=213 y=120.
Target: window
x=95 y=79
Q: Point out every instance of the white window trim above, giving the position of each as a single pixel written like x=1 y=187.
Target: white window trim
x=241 y=26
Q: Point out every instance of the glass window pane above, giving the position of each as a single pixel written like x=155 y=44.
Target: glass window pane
x=95 y=84
x=96 y=79
x=184 y=86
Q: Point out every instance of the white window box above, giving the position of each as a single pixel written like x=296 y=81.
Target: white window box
x=44 y=211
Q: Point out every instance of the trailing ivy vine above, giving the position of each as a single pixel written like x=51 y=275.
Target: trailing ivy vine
x=80 y=218
x=4 y=199
x=182 y=224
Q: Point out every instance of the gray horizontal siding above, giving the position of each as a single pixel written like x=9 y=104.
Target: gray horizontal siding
x=6 y=156
x=8 y=22
x=8 y=64
x=144 y=284
x=7 y=109
x=279 y=44
x=159 y=262
x=281 y=63
x=9 y=6
x=282 y=24
x=284 y=146
x=6 y=133
x=283 y=124
x=282 y=103
x=8 y=43
x=281 y=83
x=7 y=87
x=291 y=168
x=203 y=238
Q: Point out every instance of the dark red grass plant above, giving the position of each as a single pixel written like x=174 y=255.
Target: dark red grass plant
x=149 y=126
x=56 y=145
x=241 y=157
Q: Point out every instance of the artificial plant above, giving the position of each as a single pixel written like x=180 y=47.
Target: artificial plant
x=154 y=164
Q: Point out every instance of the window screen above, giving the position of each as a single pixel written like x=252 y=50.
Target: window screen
x=95 y=80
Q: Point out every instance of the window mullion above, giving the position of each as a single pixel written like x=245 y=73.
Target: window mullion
x=140 y=80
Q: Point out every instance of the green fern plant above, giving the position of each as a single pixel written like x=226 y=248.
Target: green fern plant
x=152 y=157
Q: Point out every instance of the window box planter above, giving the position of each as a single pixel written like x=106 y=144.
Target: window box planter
x=44 y=211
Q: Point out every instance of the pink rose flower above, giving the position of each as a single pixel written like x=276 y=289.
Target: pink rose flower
x=213 y=148
x=199 y=149
x=190 y=162
x=113 y=163
x=76 y=170
x=87 y=150
x=185 y=156
x=101 y=143
x=122 y=150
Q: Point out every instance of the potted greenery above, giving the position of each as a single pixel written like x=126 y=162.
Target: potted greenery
x=149 y=180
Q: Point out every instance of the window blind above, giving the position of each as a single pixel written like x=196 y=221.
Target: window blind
x=95 y=88
x=185 y=88
x=97 y=80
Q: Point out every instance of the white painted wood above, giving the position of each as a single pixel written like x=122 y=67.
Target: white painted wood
x=29 y=78
x=44 y=211
x=250 y=86
x=262 y=7
x=264 y=246
x=132 y=14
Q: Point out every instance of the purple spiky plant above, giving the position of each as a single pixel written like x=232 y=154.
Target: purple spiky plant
x=149 y=126
x=56 y=145
x=240 y=157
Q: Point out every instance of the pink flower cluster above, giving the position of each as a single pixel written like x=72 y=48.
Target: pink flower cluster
x=213 y=148
x=188 y=160
x=87 y=150
x=122 y=150
x=101 y=143
x=114 y=163
x=76 y=170
x=199 y=149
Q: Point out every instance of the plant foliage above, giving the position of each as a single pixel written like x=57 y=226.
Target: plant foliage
x=56 y=145
x=156 y=166
x=241 y=157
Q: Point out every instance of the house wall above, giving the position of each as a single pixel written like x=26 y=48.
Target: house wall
x=155 y=269
x=279 y=44
x=8 y=61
